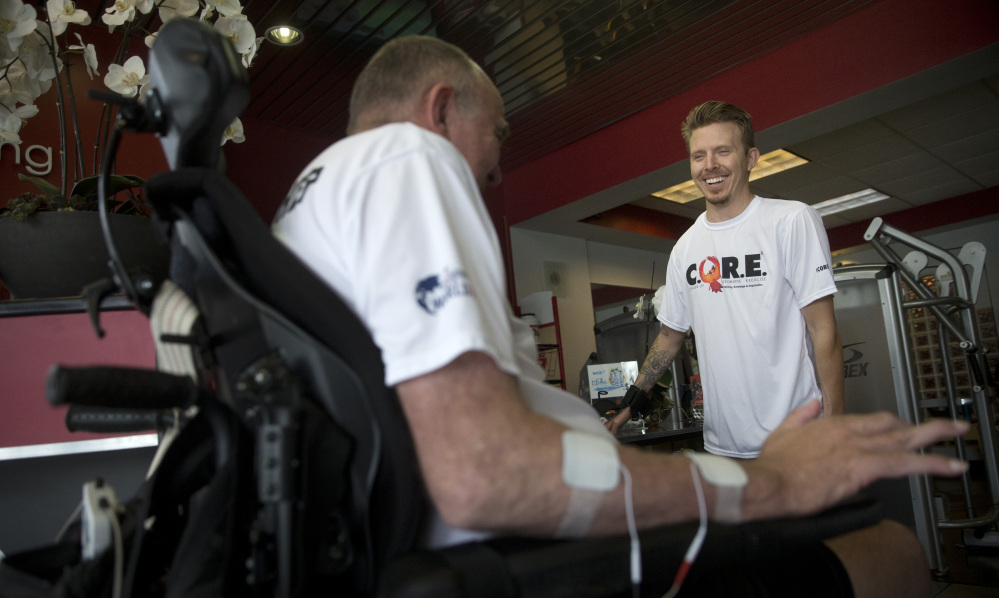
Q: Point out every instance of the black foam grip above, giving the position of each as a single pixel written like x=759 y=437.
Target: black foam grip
x=638 y=400
x=119 y=387
x=111 y=420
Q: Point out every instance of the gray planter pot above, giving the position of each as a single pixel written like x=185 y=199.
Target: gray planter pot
x=55 y=254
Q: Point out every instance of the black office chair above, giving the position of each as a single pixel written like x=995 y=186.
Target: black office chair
x=298 y=474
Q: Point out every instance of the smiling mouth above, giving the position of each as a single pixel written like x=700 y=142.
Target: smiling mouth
x=715 y=180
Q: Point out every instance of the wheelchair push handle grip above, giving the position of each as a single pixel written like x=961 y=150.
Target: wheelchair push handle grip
x=110 y=420
x=119 y=387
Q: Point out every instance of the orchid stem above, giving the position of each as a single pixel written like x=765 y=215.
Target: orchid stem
x=59 y=107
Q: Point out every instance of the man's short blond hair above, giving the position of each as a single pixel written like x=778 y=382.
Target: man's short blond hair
x=715 y=111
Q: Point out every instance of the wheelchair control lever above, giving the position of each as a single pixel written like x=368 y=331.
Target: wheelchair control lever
x=119 y=387
x=95 y=292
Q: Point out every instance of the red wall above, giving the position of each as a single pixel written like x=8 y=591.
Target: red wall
x=875 y=46
x=267 y=163
x=32 y=344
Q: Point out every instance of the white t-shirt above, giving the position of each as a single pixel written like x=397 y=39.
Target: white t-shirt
x=392 y=219
x=741 y=284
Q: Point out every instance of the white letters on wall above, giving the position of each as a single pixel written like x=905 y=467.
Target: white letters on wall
x=38 y=158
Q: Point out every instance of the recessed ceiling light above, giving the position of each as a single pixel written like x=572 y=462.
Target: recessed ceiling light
x=774 y=162
x=284 y=35
x=684 y=192
x=770 y=163
x=849 y=201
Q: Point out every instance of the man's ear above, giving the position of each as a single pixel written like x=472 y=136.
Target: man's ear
x=437 y=106
x=754 y=157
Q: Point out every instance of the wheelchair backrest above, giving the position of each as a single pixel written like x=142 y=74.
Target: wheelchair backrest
x=265 y=312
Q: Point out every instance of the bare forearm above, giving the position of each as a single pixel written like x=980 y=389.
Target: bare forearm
x=506 y=475
x=829 y=364
x=661 y=356
x=490 y=463
x=820 y=319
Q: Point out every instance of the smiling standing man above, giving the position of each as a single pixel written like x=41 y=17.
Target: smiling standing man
x=752 y=277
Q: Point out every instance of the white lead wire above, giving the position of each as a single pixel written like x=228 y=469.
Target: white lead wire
x=697 y=542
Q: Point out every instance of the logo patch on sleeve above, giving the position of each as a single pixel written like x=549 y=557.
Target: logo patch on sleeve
x=436 y=290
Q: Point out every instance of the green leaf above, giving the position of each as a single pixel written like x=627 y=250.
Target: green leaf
x=87 y=188
x=46 y=187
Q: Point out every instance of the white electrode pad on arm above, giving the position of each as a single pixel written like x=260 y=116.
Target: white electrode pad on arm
x=591 y=467
x=728 y=478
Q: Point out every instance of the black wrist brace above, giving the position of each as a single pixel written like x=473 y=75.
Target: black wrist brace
x=638 y=400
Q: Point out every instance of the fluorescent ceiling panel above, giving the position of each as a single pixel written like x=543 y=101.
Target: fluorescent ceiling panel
x=849 y=201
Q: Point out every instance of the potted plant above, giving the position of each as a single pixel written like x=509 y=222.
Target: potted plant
x=33 y=61
x=52 y=246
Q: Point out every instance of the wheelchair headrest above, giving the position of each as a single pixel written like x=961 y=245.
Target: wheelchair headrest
x=201 y=87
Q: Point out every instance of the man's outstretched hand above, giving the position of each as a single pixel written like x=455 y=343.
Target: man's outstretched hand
x=809 y=463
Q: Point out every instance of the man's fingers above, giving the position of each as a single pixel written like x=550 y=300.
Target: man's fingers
x=936 y=430
x=874 y=423
x=805 y=413
x=898 y=465
x=882 y=436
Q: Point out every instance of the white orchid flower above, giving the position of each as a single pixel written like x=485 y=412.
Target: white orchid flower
x=26 y=112
x=170 y=9
x=657 y=299
x=13 y=91
x=127 y=78
x=7 y=100
x=64 y=12
x=17 y=20
x=11 y=121
x=239 y=31
x=226 y=8
x=34 y=54
x=234 y=132
x=21 y=87
x=654 y=304
x=206 y=14
x=89 y=56
x=249 y=55
x=8 y=134
x=123 y=11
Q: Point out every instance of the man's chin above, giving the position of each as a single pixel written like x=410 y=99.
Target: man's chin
x=717 y=200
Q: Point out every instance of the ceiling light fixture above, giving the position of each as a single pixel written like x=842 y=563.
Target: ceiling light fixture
x=284 y=35
x=849 y=201
x=770 y=163
x=774 y=162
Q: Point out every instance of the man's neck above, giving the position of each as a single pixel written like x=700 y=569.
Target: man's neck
x=736 y=205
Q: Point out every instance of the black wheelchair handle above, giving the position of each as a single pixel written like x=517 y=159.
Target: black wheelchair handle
x=111 y=420
x=120 y=387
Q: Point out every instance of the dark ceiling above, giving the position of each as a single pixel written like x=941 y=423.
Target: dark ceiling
x=565 y=68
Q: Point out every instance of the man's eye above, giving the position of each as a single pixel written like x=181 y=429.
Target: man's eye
x=502 y=133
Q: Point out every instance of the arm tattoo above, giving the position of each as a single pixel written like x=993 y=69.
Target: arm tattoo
x=654 y=367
